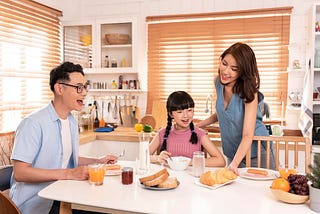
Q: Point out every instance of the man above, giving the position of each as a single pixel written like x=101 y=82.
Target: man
x=46 y=142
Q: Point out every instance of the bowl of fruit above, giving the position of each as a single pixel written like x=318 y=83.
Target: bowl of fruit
x=293 y=190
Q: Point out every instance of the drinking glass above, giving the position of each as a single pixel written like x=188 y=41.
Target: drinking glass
x=198 y=163
x=144 y=157
x=96 y=174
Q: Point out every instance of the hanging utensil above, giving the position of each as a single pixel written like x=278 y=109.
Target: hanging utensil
x=136 y=111
x=115 y=110
x=96 y=120
x=102 y=122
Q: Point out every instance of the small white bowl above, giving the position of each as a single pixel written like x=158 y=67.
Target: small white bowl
x=178 y=163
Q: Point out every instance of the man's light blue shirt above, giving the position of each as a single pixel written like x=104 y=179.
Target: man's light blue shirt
x=38 y=142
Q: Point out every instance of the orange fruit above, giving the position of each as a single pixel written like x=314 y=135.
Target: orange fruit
x=281 y=183
x=138 y=127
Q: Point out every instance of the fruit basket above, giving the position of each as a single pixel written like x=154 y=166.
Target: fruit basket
x=289 y=197
x=117 y=39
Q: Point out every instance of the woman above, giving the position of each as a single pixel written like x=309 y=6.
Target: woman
x=182 y=138
x=237 y=106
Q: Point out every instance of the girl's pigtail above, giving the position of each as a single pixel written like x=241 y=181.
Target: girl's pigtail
x=168 y=128
x=194 y=137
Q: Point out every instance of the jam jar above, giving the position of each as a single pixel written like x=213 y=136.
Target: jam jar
x=127 y=175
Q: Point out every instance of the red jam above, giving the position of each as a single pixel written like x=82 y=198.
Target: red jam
x=127 y=175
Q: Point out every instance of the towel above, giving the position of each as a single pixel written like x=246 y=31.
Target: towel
x=104 y=129
x=306 y=116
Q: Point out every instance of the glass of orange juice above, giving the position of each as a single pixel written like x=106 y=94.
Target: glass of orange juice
x=96 y=174
x=285 y=170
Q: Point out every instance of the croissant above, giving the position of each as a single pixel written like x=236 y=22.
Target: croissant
x=220 y=176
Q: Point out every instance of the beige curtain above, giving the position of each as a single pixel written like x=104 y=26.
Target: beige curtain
x=183 y=53
x=30 y=46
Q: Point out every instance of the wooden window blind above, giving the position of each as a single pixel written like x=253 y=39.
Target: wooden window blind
x=30 y=46
x=184 y=51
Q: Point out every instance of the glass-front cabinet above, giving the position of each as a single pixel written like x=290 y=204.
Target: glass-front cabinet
x=106 y=50
x=315 y=70
x=78 y=45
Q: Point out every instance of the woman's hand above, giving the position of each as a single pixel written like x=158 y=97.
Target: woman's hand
x=233 y=168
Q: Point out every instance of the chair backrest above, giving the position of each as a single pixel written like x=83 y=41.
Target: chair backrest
x=285 y=148
x=5 y=176
x=6 y=145
x=7 y=206
x=159 y=112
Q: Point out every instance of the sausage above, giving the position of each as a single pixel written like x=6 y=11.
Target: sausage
x=257 y=171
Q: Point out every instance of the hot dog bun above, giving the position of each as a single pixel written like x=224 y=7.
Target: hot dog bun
x=257 y=171
x=113 y=167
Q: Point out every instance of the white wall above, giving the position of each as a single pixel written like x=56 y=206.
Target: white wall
x=79 y=10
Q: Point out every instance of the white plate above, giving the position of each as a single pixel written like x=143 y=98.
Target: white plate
x=113 y=172
x=216 y=186
x=271 y=174
x=157 y=188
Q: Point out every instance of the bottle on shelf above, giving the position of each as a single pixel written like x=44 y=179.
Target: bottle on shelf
x=114 y=63
x=123 y=63
x=106 y=61
x=113 y=84
x=120 y=82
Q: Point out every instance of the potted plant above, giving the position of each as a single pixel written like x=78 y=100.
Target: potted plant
x=314 y=187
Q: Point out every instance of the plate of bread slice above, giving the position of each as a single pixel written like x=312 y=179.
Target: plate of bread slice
x=159 y=180
x=258 y=173
x=216 y=179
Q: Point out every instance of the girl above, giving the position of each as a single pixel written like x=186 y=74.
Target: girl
x=181 y=137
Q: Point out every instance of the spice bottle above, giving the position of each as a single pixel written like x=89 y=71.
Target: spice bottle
x=114 y=63
x=106 y=62
x=113 y=84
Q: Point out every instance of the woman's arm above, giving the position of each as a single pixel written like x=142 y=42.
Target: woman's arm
x=212 y=119
x=249 y=124
x=216 y=158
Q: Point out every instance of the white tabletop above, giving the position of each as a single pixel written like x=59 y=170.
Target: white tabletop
x=241 y=196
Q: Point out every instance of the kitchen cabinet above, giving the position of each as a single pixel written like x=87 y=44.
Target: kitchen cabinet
x=315 y=52
x=85 y=43
x=315 y=68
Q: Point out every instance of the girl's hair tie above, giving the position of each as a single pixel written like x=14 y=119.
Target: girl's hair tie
x=192 y=131
x=165 y=138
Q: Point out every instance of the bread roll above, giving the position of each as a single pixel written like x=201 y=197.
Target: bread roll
x=170 y=182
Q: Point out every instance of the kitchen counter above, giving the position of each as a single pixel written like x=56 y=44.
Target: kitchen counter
x=123 y=134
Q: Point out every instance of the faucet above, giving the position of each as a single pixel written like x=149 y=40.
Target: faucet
x=209 y=97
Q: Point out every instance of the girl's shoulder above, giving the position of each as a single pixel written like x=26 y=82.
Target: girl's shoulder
x=200 y=131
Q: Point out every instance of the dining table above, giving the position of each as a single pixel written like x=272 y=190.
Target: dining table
x=242 y=195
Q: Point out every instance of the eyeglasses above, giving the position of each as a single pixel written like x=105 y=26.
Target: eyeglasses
x=79 y=87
